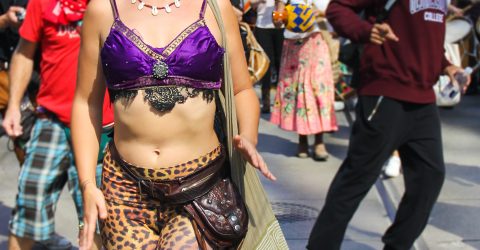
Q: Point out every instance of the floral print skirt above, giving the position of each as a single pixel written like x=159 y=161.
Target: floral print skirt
x=304 y=101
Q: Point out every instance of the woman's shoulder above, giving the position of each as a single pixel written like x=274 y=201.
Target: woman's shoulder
x=100 y=9
x=224 y=5
x=227 y=13
x=100 y=15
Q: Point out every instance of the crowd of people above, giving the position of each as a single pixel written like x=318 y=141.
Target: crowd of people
x=142 y=171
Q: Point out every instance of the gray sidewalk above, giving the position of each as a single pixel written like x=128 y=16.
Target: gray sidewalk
x=299 y=193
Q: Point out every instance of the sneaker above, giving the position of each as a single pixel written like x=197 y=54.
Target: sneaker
x=57 y=242
x=392 y=167
x=338 y=105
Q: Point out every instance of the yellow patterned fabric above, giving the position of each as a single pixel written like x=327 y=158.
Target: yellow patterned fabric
x=300 y=18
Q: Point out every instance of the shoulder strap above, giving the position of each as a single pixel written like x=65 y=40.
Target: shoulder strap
x=226 y=92
x=114 y=8
x=202 y=10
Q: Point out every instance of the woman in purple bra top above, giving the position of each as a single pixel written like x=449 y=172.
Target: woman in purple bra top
x=164 y=185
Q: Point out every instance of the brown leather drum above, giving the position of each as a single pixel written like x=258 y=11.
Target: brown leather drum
x=3 y=89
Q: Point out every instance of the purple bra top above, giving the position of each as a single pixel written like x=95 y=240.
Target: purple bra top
x=192 y=60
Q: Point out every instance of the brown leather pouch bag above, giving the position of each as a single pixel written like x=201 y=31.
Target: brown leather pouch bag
x=220 y=215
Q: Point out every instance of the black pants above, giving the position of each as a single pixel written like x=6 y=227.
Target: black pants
x=271 y=41
x=413 y=129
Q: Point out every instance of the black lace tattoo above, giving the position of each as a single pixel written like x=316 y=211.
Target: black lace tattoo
x=162 y=98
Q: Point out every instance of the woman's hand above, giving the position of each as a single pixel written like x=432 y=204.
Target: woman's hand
x=279 y=17
x=250 y=153
x=94 y=207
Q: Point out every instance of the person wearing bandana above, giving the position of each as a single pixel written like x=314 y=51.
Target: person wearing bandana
x=53 y=27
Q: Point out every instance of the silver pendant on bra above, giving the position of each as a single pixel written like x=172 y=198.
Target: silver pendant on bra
x=160 y=70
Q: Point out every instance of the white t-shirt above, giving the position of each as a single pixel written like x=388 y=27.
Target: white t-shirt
x=264 y=14
x=322 y=5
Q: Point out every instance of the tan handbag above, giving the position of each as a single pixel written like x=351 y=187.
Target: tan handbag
x=258 y=61
x=334 y=48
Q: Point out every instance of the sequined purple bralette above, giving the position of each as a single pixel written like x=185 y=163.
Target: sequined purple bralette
x=189 y=65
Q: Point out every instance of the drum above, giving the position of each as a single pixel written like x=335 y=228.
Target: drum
x=458 y=29
x=477 y=27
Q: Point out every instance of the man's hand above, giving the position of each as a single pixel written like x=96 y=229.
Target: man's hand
x=381 y=33
x=457 y=12
x=11 y=122
x=10 y=17
x=451 y=71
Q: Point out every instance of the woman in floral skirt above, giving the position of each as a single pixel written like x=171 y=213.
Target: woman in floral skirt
x=304 y=101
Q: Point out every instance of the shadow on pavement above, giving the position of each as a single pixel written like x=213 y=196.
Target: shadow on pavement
x=352 y=244
x=337 y=151
x=280 y=146
x=364 y=233
x=276 y=145
x=458 y=219
x=5 y=212
x=468 y=176
x=343 y=132
x=4 y=218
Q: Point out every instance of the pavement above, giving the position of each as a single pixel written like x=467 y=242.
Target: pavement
x=299 y=193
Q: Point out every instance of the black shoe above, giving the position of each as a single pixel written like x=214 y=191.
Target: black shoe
x=265 y=109
x=302 y=151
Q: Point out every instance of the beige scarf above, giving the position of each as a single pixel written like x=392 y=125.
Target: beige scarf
x=264 y=232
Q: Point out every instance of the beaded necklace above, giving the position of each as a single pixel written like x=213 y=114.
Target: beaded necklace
x=154 y=8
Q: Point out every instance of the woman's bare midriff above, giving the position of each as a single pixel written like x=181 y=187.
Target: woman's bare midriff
x=151 y=139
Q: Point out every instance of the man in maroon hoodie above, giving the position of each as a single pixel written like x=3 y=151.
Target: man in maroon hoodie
x=402 y=59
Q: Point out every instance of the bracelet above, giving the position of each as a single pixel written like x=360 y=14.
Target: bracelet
x=85 y=183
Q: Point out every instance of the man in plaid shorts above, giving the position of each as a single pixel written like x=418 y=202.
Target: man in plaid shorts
x=49 y=161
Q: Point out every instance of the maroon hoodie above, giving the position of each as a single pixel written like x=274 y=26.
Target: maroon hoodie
x=404 y=70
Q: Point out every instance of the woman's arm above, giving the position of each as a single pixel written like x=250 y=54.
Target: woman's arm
x=87 y=116
x=246 y=101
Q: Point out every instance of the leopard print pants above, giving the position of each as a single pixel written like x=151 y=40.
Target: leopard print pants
x=136 y=222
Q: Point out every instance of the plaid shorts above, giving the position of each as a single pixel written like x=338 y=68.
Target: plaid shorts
x=48 y=166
